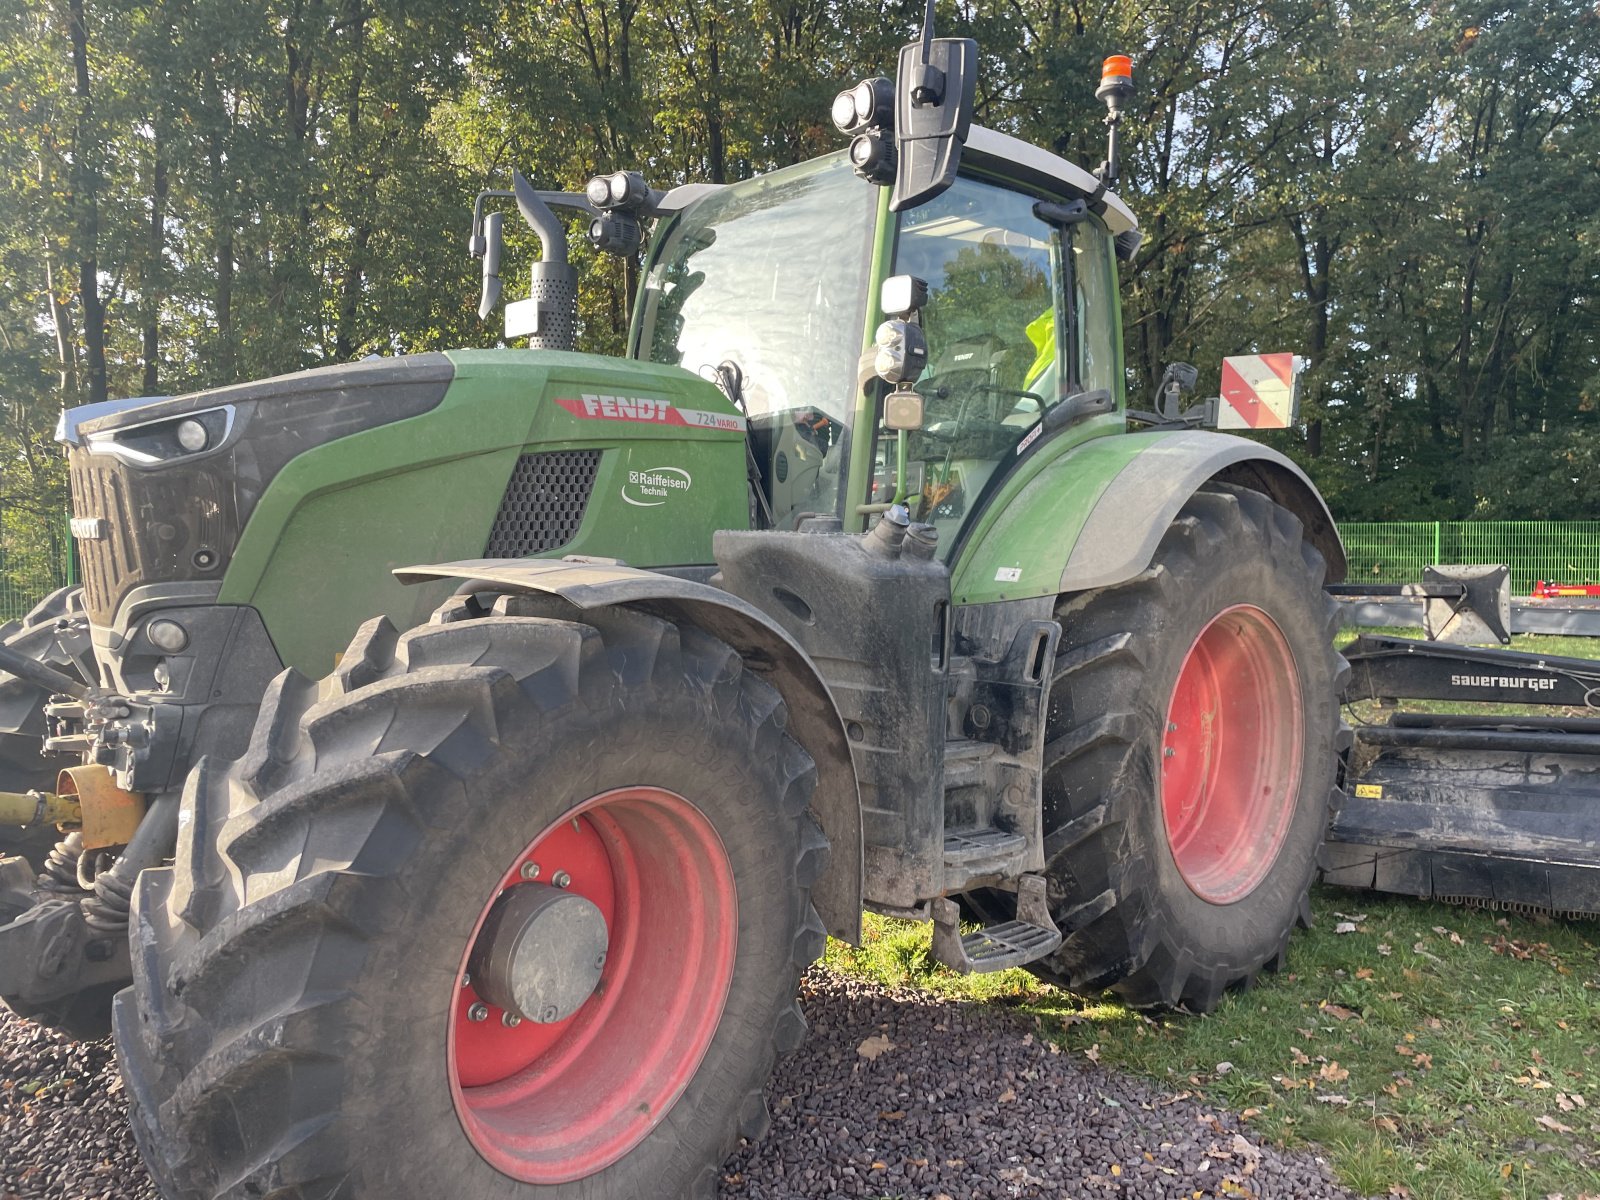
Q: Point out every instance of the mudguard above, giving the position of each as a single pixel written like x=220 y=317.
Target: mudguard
x=813 y=718
x=1093 y=516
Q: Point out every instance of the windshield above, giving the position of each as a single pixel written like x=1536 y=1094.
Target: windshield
x=771 y=275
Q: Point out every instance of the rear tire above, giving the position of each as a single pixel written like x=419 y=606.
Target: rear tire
x=1179 y=860
x=296 y=1014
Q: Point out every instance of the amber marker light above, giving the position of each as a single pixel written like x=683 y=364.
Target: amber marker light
x=1116 y=81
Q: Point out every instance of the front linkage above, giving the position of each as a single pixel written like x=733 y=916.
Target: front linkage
x=113 y=763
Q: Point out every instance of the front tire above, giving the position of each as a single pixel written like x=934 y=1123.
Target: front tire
x=1193 y=735
x=299 y=1023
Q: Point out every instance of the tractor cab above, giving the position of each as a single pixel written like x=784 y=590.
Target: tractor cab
x=763 y=286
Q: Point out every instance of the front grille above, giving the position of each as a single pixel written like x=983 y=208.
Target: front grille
x=544 y=503
x=156 y=526
x=98 y=492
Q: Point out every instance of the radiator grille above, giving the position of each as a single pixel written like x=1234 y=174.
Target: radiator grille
x=166 y=526
x=544 y=503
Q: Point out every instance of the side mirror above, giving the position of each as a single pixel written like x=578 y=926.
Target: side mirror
x=492 y=242
x=935 y=91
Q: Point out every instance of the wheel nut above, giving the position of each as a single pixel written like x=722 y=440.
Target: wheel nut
x=510 y=1020
x=561 y=879
x=466 y=979
x=1169 y=752
x=478 y=1012
x=530 y=870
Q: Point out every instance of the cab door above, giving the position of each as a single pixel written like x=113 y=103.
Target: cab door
x=1021 y=315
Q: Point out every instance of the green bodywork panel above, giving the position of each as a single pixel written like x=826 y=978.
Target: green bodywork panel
x=317 y=554
x=1020 y=542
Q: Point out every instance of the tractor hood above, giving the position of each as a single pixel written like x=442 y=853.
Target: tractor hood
x=162 y=488
x=298 y=495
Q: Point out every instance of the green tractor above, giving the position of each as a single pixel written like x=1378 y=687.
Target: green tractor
x=464 y=754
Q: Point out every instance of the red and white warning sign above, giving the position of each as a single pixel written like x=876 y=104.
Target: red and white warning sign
x=1258 y=391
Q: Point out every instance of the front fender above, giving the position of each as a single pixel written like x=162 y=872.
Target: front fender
x=1093 y=516
x=767 y=649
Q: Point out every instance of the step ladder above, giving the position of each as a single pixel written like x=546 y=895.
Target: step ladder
x=1030 y=936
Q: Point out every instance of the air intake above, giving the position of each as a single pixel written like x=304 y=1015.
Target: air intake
x=544 y=503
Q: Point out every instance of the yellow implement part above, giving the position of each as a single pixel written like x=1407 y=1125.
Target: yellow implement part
x=28 y=808
x=110 y=815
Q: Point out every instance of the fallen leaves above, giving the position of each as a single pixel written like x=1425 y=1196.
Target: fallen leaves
x=875 y=1046
x=1552 y=1124
x=1333 y=1072
x=1422 y=1060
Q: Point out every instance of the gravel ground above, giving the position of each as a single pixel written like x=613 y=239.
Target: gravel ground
x=895 y=1094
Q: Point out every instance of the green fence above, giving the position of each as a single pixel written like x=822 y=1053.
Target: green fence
x=1396 y=551
x=34 y=561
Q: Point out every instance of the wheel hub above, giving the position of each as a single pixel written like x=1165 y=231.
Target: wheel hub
x=540 y=953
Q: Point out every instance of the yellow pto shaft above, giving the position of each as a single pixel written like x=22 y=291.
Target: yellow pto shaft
x=34 y=808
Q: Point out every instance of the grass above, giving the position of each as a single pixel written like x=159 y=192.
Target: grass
x=1429 y=1051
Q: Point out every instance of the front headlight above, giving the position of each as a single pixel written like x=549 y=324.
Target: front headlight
x=162 y=441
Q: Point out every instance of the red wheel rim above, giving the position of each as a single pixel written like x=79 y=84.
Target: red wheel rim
x=1230 y=754
x=550 y=1103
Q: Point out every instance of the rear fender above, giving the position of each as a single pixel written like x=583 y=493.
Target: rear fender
x=1093 y=516
x=768 y=650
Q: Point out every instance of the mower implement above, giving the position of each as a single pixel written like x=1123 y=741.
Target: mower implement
x=855 y=584
x=1488 y=807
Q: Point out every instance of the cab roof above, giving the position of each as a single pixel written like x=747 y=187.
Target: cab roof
x=1028 y=163
x=999 y=152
